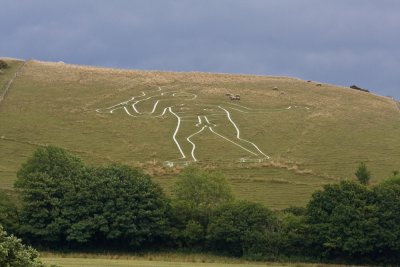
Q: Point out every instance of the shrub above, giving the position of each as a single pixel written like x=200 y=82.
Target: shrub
x=8 y=214
x=387 y=200
x=197 y=193
x=343 y=220
x=118 y=206
x=64 y=201
x=202 y=189
x=363 y=174
x=3 y=64
x=292 y=238
x=44 y=181
x=14 y=254
x=241 y=228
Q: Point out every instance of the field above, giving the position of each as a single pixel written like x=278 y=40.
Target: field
x=283 y=140
x=157 y=260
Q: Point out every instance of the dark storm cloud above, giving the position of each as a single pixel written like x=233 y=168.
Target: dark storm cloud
x=335 y=41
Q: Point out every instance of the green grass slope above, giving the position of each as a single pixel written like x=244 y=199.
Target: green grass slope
x=312 y=134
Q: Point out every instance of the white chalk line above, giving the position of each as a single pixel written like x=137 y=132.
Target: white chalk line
x=238 y=133
x=263 y=110
x=196 y=118
x=163 y=113
x=112 y=108
x=134 y=104
x=232 y=142
x=127 y=112
x=155 y=106
x=176 y=131
x=193 y=144
x=205 y=117
x=198 y=124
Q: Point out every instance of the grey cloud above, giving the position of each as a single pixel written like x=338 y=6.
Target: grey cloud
x=336 y=41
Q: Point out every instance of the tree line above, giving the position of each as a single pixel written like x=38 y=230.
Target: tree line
x=66 y=204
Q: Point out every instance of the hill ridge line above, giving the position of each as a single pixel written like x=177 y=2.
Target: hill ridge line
x=8 y=85
x=61 y=63
x=121 y=69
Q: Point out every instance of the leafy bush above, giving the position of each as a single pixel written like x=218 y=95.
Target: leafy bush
x=363 y=174
x=45 y=180
x=8 y=214
x=292 y=240
x=117 y=205
x=14 y=254
x=3 y=64
x=65 y=201
x=202 y=189
x=342 y=220
x=197 y=192
x=242 y=228
x=387 y=201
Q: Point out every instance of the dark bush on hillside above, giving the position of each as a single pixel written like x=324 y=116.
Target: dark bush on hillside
x=350 y=221
x=363 y=174
x=298 y=211
x=14 y=254
x=292 y=239
x=3 y=64
x=387 y=201
x=65 y=202
x=117 y=205
x=202 y=189
x=242 y=228
x=343 y=220
x=8 y=214
x=196 y=193
x=45 y=180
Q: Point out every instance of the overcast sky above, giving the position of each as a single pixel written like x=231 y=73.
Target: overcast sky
x=342 y=42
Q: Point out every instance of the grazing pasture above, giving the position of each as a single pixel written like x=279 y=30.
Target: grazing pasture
x=274 y=146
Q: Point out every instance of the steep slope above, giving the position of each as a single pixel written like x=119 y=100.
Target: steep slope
x=283 y=139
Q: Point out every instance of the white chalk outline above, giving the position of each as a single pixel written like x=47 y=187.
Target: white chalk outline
x=238 y=133
x=193 y=144
x=197 y=120
x=176 y=131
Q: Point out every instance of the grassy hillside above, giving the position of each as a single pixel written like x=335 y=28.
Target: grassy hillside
x=275 y=145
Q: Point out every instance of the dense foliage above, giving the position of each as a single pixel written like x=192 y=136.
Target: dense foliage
x=202 y=189
x=66 y=203
x=8 y=214
x=242 y=228
x=15 y=254
x=353 y=222
x=196 y=194
x=342 y=220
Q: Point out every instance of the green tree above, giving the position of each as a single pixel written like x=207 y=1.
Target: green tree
x=63 y=201
x=292 y=237
x=387 y=199
x=363 y=174
x=44 y=180
x=202 y=189
x=343 y=220
x=117 y=205
x=242 y=228
x=197 y=192
x=8 y=214
x=14 y=254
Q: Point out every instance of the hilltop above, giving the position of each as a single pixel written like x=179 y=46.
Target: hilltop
x=281 y=141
